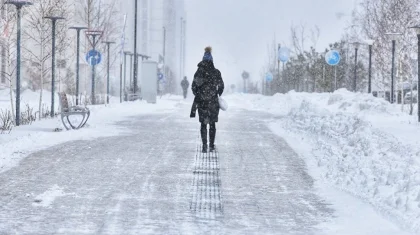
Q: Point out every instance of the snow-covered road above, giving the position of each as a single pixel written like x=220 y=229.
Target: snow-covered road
x=154 y=181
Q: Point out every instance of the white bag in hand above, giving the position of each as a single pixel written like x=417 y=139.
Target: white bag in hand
x=223 y=104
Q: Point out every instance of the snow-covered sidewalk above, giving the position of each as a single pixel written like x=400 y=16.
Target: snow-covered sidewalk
x=358 y=143
x=151 y=179
x=27 y=139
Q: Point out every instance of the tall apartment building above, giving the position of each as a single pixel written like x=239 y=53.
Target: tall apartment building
x=158 y=33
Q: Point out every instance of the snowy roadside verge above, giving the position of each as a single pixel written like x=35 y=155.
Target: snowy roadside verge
x=25 y=140
x=360 y=144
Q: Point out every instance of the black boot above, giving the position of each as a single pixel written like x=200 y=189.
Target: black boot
x=204 y=137
x=212 y=136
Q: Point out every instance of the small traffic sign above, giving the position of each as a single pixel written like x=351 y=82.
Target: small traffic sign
x=284 y=54
x=160 y=76
x=245 y=75
x=332 y=57
x=93 y=57
x=269 y=77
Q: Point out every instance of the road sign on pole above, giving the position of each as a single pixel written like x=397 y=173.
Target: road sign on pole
x=284 y=54
x=93 y=57
x=332 y=57
x=269 y=77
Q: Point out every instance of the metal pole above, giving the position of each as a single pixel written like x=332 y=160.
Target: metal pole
x=107 y=71
x=418 y=77
x=77 y=66
x=335 y=78
x=135 y=48
x=121 y=81
x=93 y=72
x=181 y=49
x=164 y=52
x=18 y=64
x=284 y=79
x=355 y=69
x=392 y=72
x=53 y=68
x=78 y=29
x=131 y=72
x=370 y=70
x=125 y=71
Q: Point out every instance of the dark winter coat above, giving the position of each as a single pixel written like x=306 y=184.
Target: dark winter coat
x=185 y=84
x=207 y=86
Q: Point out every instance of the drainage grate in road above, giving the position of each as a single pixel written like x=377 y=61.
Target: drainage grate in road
x=206 y=199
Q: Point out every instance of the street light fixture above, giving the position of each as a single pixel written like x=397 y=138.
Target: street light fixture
x=78 y=29
x=108 y=44
x=370 y=43
x=19 y=5
x=143 y=56
x=54 y=22
x=417 y=29
x=394 y=37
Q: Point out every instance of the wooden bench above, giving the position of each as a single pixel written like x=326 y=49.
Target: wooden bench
x=67 y=111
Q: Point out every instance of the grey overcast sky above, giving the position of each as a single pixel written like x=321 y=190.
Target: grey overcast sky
x=239 y=30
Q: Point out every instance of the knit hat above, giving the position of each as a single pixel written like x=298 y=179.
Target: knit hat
x=207 y=54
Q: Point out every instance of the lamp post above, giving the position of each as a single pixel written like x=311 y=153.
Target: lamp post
x=417 y=28
x=356 y=49
x=135 y=48
x=19 y=5
x=54 y=22
x=131 y=71
x=125 y=68
x=370 y=43
x=78 y=29
x=394 y=37
x=108 y=44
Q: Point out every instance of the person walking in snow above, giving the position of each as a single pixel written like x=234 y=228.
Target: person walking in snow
x=207 y=86
x=185 y=84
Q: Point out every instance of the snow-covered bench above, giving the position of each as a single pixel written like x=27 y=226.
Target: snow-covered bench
x=67 y=111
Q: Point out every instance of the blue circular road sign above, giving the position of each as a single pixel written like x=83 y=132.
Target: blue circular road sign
x=269 y=77
x=160 y=76
x=332 y=57
x=93 y=57
x=284 y=54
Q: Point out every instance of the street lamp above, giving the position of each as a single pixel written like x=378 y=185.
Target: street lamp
x=131 y=70
x=125 y=68
x=370 y=43
x=417 y=28
x=78 y=29
x=54 y=22
x=19 y=5
x=108 y=44
x=356 y=49
x=394 y=37
x=135 y=48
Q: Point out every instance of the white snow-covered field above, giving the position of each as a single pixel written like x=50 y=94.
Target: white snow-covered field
x=355 y=142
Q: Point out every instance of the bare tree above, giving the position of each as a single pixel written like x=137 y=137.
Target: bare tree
x=375 y=18
x=9 y=48
x=39 y=37
x=101 y=15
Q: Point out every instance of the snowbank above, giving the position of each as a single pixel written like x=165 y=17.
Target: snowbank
x=361 y=144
